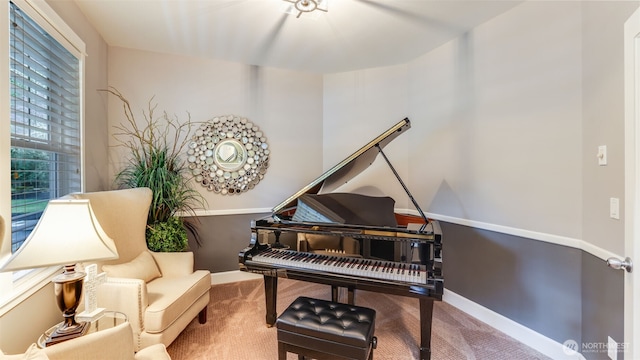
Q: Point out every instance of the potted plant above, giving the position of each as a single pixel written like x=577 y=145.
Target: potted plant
x=154 y=161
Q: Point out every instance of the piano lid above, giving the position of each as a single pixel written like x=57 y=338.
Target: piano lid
x=347 y=168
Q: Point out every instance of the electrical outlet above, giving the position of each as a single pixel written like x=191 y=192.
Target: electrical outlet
x=612 y=348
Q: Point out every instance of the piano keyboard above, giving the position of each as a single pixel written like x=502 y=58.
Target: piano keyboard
x=369 y=268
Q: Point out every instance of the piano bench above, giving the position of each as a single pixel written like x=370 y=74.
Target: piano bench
x=323 y=329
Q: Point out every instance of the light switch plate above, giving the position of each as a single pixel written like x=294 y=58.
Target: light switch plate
x=614 y=208
x=602 y=155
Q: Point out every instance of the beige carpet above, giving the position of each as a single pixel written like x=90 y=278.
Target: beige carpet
x=236 y=327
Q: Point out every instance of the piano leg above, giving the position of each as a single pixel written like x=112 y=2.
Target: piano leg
x=426 y=315
x=270 y=295
x=335 y=293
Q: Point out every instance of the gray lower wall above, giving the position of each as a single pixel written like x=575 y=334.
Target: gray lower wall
x=602 y=306
x=221 y=239
x=534 y=283
x=560 y=292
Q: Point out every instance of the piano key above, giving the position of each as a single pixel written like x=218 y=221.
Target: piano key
x=383 y=270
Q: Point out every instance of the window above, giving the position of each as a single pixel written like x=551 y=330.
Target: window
x=45 y=101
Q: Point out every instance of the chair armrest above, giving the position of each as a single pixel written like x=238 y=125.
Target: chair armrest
x=113 y=343
x=173 y=264
x=153 y=352
x=128 y=296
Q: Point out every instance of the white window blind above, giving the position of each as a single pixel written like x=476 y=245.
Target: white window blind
x=45 y=122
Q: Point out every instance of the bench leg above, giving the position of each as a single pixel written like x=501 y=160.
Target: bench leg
x=202 y=316
x=282 y=351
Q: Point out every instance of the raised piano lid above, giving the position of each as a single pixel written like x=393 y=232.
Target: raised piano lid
x=347 y=169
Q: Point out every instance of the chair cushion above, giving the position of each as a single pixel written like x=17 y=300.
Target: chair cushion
x=169 y=297
x=142 y=267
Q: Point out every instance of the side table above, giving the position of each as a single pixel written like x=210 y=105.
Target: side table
x=108 y=320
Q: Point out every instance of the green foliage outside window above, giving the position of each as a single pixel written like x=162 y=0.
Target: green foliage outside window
x=29 y=170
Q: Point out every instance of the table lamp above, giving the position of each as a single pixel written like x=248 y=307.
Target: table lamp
x=67 y=233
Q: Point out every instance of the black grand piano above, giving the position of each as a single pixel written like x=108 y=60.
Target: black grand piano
x=386 y=262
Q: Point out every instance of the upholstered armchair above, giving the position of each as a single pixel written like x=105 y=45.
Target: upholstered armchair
x=108 y=344
x=159 y=292
x=328 y=244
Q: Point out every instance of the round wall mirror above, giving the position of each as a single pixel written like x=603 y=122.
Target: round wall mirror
x=228 y=155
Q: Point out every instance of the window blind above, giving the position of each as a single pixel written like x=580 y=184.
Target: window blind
x=45 y=122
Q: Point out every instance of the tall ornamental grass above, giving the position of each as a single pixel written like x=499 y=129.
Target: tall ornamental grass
x=154 y=147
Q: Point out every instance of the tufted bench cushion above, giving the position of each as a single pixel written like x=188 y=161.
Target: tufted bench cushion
x=325 y=327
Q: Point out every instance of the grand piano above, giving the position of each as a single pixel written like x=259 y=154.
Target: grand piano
x=400 y=254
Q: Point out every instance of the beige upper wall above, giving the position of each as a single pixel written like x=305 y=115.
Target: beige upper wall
x=513 y=126
x=506 y=120
x=603 y=120
x=358 y=106
x=494 y=113
x=285 y=105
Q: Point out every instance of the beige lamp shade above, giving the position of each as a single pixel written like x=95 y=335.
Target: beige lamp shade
x=68 y=233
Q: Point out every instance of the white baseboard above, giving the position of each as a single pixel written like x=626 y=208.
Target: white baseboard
x=232 y=276
x=517 y=331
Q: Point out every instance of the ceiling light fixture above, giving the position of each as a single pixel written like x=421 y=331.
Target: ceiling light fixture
x=307 y=6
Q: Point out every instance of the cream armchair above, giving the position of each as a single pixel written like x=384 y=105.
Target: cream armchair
x=108 y=344
x=159 y=292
